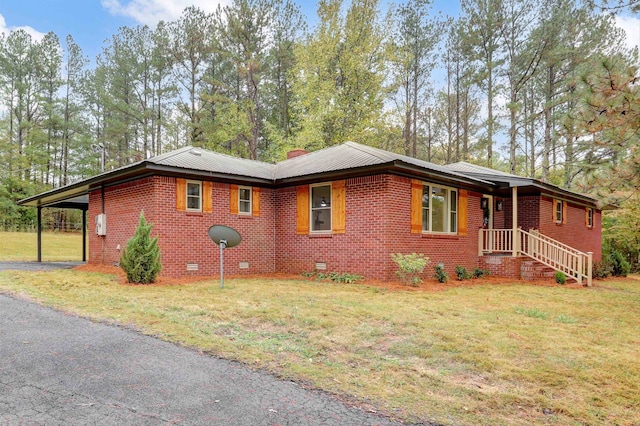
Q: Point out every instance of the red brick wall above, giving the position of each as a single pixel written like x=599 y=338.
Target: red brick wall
x=378 y=224
x=574 y=232
x=182 y=236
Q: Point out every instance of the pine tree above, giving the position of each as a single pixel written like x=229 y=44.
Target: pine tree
x=140 y=259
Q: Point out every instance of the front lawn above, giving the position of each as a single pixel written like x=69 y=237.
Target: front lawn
x=56 y=246
x=477 y=354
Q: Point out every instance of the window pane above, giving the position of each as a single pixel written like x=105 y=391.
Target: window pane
x=245 y=194
x=193 y=203
x=322 y=220
x=321 y=208
x=245 y=206
x=321 y=196
x=438 y=211
x=453 y=224
x=193 y=189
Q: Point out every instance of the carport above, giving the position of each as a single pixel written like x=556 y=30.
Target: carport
x=69 y=197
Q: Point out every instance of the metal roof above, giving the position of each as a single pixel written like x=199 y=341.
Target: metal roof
x=350 y=155
x=347 y=159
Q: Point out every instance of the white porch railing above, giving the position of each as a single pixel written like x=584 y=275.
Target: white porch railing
x=546 y=250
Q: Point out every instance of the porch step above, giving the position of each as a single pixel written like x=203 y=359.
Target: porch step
x=532 y=270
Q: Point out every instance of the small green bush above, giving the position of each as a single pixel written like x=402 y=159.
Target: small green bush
x=441 y=275
x=560 y=277
x=140 y=258
x=410 y=266
x=462 y=273
x=336 y=277
x=479 y=273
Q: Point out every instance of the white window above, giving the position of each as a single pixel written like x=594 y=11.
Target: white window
x=439 y=209
x=320 y=208
x=244 y=200
x=558 y=211
x=194 y=196
x=589 y=217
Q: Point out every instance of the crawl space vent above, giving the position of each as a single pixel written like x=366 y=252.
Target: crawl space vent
x=192 y=266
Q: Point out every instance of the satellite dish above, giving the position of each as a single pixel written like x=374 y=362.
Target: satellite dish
x=224 y=235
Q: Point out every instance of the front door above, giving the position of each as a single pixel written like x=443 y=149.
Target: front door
x=487 y=221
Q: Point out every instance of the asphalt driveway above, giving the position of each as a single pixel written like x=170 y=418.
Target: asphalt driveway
x=60 y=369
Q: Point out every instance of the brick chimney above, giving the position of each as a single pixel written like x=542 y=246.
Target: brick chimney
x=296 y=153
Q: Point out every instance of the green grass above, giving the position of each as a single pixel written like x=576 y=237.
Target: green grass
x=56 y=247
x=482 y=354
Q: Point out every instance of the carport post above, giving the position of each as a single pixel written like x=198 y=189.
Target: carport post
x=39 y=225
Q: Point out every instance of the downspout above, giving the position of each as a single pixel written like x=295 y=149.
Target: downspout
x=84 y=235
x=514 y=224
x=102 y=211
x=39 y=226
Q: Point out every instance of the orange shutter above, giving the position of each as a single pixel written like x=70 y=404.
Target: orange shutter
x=564 y=211
x=302 y=209
x=207 y=202
x=463 y=196
x=233 y=199
x=416 y=206
x=181 y=194
x=339 y=207
x=255 y=201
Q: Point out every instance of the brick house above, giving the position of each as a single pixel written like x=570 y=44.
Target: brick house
x=346 y=208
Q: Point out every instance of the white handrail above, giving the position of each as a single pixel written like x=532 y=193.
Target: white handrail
x=542 y=248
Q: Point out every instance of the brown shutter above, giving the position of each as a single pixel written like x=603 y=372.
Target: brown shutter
x=255 y=201
x=233 y=199
x=181 y=194
x=339 y=207
x=416 y=206
x=302 y=214
x=564 y=211
x=207 y=202
x=554 y=208
x=463 y=196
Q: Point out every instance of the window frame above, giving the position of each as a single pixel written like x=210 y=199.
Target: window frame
x=590 y=214
x=450 y=215
x=313 y=209
x=250 y=200
x=188 y=196
x=558 y=211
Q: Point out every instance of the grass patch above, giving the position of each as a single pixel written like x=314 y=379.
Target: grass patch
x=482 y=354
x=56 y=246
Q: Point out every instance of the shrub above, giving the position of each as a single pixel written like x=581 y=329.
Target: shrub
x=620 y=267
x=441 y=275
x=560 y=277
x=601 y=270
x=479 y=273
x=140 y=258
x=410 y=266
x=462 y=273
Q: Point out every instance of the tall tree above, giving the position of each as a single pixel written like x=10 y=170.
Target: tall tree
x=415 y=35
x=481 y=42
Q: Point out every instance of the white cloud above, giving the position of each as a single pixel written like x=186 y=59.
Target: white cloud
x=150 y=12
x=631 y=26
x=35 y=34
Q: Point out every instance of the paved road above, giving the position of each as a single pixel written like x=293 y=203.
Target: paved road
x=60 y=369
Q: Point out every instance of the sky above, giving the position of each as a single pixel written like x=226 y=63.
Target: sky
x=91 y=22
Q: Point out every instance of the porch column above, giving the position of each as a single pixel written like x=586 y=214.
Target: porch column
x=514 y=225
x=39 y=228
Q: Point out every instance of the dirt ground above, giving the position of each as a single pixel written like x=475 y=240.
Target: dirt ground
x=430 y=284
